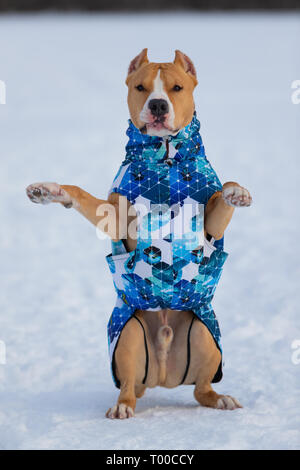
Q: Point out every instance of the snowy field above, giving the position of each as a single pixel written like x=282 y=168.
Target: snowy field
x=65 y=121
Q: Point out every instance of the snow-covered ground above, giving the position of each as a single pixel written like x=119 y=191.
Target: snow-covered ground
x=65 y=121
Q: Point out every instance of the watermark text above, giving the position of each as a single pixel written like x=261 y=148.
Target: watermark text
x=2 y=353
x=155 y=222
x=296 y=94
x=296 y=354
x=2 y=92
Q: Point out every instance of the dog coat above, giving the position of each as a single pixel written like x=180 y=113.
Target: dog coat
x=168 y=181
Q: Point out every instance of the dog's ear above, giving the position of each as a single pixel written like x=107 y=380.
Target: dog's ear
x=185 y=62
x=137 y=62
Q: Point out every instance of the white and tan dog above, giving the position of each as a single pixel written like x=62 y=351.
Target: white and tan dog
x=160 y=100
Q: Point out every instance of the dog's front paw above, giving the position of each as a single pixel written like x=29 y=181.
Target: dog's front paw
x=120 y=411
x=44 y=193
x=236 y=196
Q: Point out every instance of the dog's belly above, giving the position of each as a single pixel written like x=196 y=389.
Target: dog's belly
x=182 y=357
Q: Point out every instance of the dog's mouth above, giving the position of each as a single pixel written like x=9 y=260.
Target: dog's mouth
x=158 y=123
x=157 y=126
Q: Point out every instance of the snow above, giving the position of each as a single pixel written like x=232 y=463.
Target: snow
x=64 y=121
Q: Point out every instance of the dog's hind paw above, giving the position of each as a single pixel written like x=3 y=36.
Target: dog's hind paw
x=120 y=411
x=236 y=196
x=226 y=402
x=214 y=400
x=44 y=193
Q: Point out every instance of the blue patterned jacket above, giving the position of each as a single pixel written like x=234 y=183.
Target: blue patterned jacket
x=169 y=182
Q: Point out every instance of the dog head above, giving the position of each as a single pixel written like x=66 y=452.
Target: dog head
x=160 y=95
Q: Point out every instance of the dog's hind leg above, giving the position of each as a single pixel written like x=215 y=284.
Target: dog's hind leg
x=205 y=360
x=130 y=360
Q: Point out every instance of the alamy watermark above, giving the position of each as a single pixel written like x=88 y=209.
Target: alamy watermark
x=155 y=222
x=2 y=353
x=296 y=354
x=296 y=94
x=2 y=92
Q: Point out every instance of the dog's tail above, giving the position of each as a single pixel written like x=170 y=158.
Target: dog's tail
x=164 y=340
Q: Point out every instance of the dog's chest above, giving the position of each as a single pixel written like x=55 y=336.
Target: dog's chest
x=169 y=182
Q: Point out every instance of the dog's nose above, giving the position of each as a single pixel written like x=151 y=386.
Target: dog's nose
x=158 y=107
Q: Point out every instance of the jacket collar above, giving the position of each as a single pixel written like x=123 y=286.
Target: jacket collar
x=187 y=144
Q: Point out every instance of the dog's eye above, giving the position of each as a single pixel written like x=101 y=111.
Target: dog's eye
x=177 y=88
x=140 y=88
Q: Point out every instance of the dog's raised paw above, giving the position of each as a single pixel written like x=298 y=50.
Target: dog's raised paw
x=237 y=196
x=226 y=402
x=120 y=411
x=44 y=193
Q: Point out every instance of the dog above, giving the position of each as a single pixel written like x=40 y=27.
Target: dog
x=163 y=330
